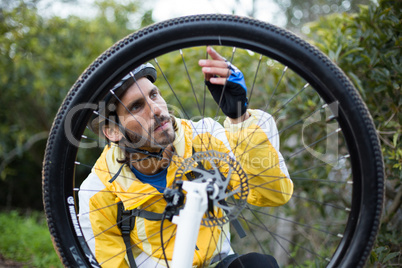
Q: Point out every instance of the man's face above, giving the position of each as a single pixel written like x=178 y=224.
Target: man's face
x=144 y=114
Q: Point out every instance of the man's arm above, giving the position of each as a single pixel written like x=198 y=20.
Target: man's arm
x=255 y=144
x=252 y=134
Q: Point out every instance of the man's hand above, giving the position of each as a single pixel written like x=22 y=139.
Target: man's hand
x=221 y=76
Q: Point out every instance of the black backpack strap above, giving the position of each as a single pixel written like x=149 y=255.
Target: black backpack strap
x=148 y=215
x=126 y=222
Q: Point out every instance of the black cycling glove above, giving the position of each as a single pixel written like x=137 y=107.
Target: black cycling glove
x=234 y=100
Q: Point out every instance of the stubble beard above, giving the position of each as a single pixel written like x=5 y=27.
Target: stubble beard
x=148 y=139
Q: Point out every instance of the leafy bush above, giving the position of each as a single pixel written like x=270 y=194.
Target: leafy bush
x=41 y=58
x=26 y=239
x=367 y=46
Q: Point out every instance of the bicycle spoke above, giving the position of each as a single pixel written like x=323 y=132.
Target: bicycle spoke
x=262 y=227
x=190 y=80
x=206 y=146
x=117 y=223
x=224 y=86
x=255 y=78
x=291 y=221
x=135 y=245
x=277 y=111
x=272 y=235
x=110 y=173
x=121 y=126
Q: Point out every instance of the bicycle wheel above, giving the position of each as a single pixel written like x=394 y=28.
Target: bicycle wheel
x=328 y=140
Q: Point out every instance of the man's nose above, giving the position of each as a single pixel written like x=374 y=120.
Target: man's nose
x=156 y=109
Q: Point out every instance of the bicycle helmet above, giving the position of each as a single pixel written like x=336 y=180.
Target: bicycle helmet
x=99 y=118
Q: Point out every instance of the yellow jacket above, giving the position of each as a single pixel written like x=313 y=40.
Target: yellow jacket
x=254 y=144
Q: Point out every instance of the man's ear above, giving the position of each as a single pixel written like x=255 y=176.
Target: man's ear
x=112 y=133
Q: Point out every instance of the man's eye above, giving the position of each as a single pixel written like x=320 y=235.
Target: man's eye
x=135 y=107
x=154 y=95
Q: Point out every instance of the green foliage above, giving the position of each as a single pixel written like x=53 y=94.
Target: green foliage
x=40 y=59
x=383 y=255
x=367 y=46
x=26 y=239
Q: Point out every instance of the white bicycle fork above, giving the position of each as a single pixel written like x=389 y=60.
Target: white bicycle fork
x=188 y=223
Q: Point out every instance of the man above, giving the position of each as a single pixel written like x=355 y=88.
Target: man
x=146 y=147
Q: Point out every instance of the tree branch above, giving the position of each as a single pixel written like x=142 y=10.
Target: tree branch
x=396 y=204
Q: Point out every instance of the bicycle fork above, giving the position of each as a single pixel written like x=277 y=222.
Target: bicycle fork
x=188 y=222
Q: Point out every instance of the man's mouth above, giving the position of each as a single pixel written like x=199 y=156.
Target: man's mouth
x=162 y=126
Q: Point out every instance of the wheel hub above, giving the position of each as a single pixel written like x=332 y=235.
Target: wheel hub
x=227 y=188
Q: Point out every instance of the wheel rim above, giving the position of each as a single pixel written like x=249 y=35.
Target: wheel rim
x=95 y=78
